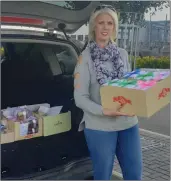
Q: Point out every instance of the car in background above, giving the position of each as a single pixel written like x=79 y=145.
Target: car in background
x=37 y=65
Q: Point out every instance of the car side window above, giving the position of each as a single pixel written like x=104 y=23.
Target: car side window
x=25 y=63
x=66 y=58
x=36 y=62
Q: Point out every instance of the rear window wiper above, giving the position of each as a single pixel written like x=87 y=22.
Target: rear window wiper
x=62 y=27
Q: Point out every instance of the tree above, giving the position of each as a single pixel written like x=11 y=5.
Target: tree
x=138 y=7
x=131 y=6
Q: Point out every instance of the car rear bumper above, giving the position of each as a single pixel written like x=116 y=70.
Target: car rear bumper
x=76 y=170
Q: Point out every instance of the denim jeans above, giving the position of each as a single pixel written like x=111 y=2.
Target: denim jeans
x=125 y=144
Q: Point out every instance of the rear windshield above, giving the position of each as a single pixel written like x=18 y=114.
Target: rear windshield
x=71 y=5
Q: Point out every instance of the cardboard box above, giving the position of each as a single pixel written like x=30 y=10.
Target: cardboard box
x=19 y=129
x=143 y=103
x=56 y=124
x=7 y=137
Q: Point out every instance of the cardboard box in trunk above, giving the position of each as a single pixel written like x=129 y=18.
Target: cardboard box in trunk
x=7 y=137
x=21 y=129
x=56 y=124
x=143 y=103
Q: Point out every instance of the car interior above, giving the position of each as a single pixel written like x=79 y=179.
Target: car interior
x=36 y=72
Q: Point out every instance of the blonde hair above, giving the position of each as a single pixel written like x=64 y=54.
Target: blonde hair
x=91 y=34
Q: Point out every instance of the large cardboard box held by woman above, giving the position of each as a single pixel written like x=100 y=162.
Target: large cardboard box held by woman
x=143 y=103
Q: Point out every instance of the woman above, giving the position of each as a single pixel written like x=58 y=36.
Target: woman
x=107 y=131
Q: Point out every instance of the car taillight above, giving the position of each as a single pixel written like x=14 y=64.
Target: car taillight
x=20 y=20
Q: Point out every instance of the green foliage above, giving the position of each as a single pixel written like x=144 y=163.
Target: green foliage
x=139 y=7
x=162 y=62
x=124 y=6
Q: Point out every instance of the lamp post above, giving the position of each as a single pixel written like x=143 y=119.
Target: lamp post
x=150 y=31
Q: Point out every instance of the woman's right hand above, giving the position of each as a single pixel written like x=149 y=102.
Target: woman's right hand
x=115 y=112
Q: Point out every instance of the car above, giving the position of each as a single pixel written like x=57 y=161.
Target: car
x=37 y=65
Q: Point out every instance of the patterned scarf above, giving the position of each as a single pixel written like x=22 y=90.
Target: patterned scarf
x=100 y=56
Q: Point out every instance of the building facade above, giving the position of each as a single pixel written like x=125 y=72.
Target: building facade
x=154 y=35
x=154 y=31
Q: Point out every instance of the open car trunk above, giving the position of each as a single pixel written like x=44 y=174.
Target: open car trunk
x=47 y=14
x=35 y=72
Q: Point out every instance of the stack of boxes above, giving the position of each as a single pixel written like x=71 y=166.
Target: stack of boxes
x=28 y=122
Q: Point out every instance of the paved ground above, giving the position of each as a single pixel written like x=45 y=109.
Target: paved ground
x=156 y=157
x=160 y=122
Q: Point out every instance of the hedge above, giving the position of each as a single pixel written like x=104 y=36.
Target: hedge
x=162 y=62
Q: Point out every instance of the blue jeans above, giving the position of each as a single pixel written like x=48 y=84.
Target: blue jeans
x=125 y=144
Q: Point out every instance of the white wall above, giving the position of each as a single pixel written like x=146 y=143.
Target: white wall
x=82 y=31
x=143 y=33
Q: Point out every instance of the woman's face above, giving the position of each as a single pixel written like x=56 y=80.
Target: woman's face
x=104 y=27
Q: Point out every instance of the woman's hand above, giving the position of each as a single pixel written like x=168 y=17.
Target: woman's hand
x=115 y=112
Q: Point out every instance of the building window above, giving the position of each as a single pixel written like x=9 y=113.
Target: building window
x=86 y=37
x=80 y=37
x=73 y=36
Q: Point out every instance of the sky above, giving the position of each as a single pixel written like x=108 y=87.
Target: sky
x=159 y=15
